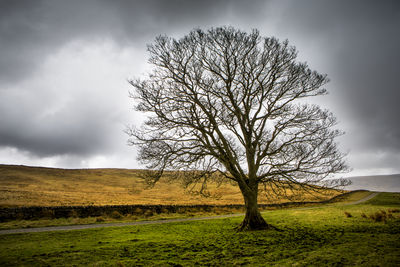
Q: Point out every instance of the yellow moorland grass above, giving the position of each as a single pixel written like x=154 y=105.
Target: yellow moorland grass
x=37 y=186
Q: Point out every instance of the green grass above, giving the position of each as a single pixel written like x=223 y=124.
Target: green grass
x=385 y=199
x=16 y=224
x=308 y=237
x=351 y=196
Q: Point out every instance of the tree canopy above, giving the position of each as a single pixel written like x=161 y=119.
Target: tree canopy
x=228 y=102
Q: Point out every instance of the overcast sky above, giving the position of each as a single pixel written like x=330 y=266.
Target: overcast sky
x=64 y=67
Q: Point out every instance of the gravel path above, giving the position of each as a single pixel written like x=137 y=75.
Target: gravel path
x=374 y=194
x=91 y=226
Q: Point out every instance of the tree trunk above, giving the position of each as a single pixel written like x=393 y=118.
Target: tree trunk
x=253 y=219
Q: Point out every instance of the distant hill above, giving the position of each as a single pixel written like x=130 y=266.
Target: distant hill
x=381 y=183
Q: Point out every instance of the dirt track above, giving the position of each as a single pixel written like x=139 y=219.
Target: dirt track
x=374 y=194
x=91 y=226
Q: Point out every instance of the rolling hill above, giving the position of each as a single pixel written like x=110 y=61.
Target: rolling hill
x=38 y=186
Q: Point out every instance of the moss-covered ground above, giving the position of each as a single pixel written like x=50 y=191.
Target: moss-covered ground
x=332 y=235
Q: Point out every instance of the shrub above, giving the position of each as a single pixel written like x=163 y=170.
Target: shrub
x=378 y=216
x=348 y=215
x=138 y=211
x=148 y=213
x=394 y=210
x=47 y=213
x=133 y=218
x=100 y=219
x=181 y=210
x=116 y=215
x=164 y=210
x=20 y=216
x=73 y=214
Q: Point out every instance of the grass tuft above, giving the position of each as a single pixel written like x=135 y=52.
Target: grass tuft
x=148 y=213
x=381 y=216
x=347 y=214
x=73 y=214
x=393 y=210
x=100 y=219
x=116 y=215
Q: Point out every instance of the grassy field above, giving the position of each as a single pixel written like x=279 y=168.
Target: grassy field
x=34 y=186
x=331 y=235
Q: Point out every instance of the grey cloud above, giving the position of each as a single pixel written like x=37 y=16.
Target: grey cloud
x=355 y=42
x=77 y=129
x=359 y=42
x=31 y=30
x=368 y=67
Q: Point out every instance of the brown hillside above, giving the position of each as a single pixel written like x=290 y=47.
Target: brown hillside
x=37 y=186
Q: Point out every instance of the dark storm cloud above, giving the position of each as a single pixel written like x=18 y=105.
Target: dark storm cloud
x=363 y=43
x=49 y=121
x=31 y=31
x=74 y=131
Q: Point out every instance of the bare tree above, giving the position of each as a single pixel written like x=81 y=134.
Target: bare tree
x=226 y=103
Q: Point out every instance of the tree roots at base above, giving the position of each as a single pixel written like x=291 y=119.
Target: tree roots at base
x=255 y=222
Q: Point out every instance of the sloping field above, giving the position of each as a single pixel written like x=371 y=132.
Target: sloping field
x=36 y=186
